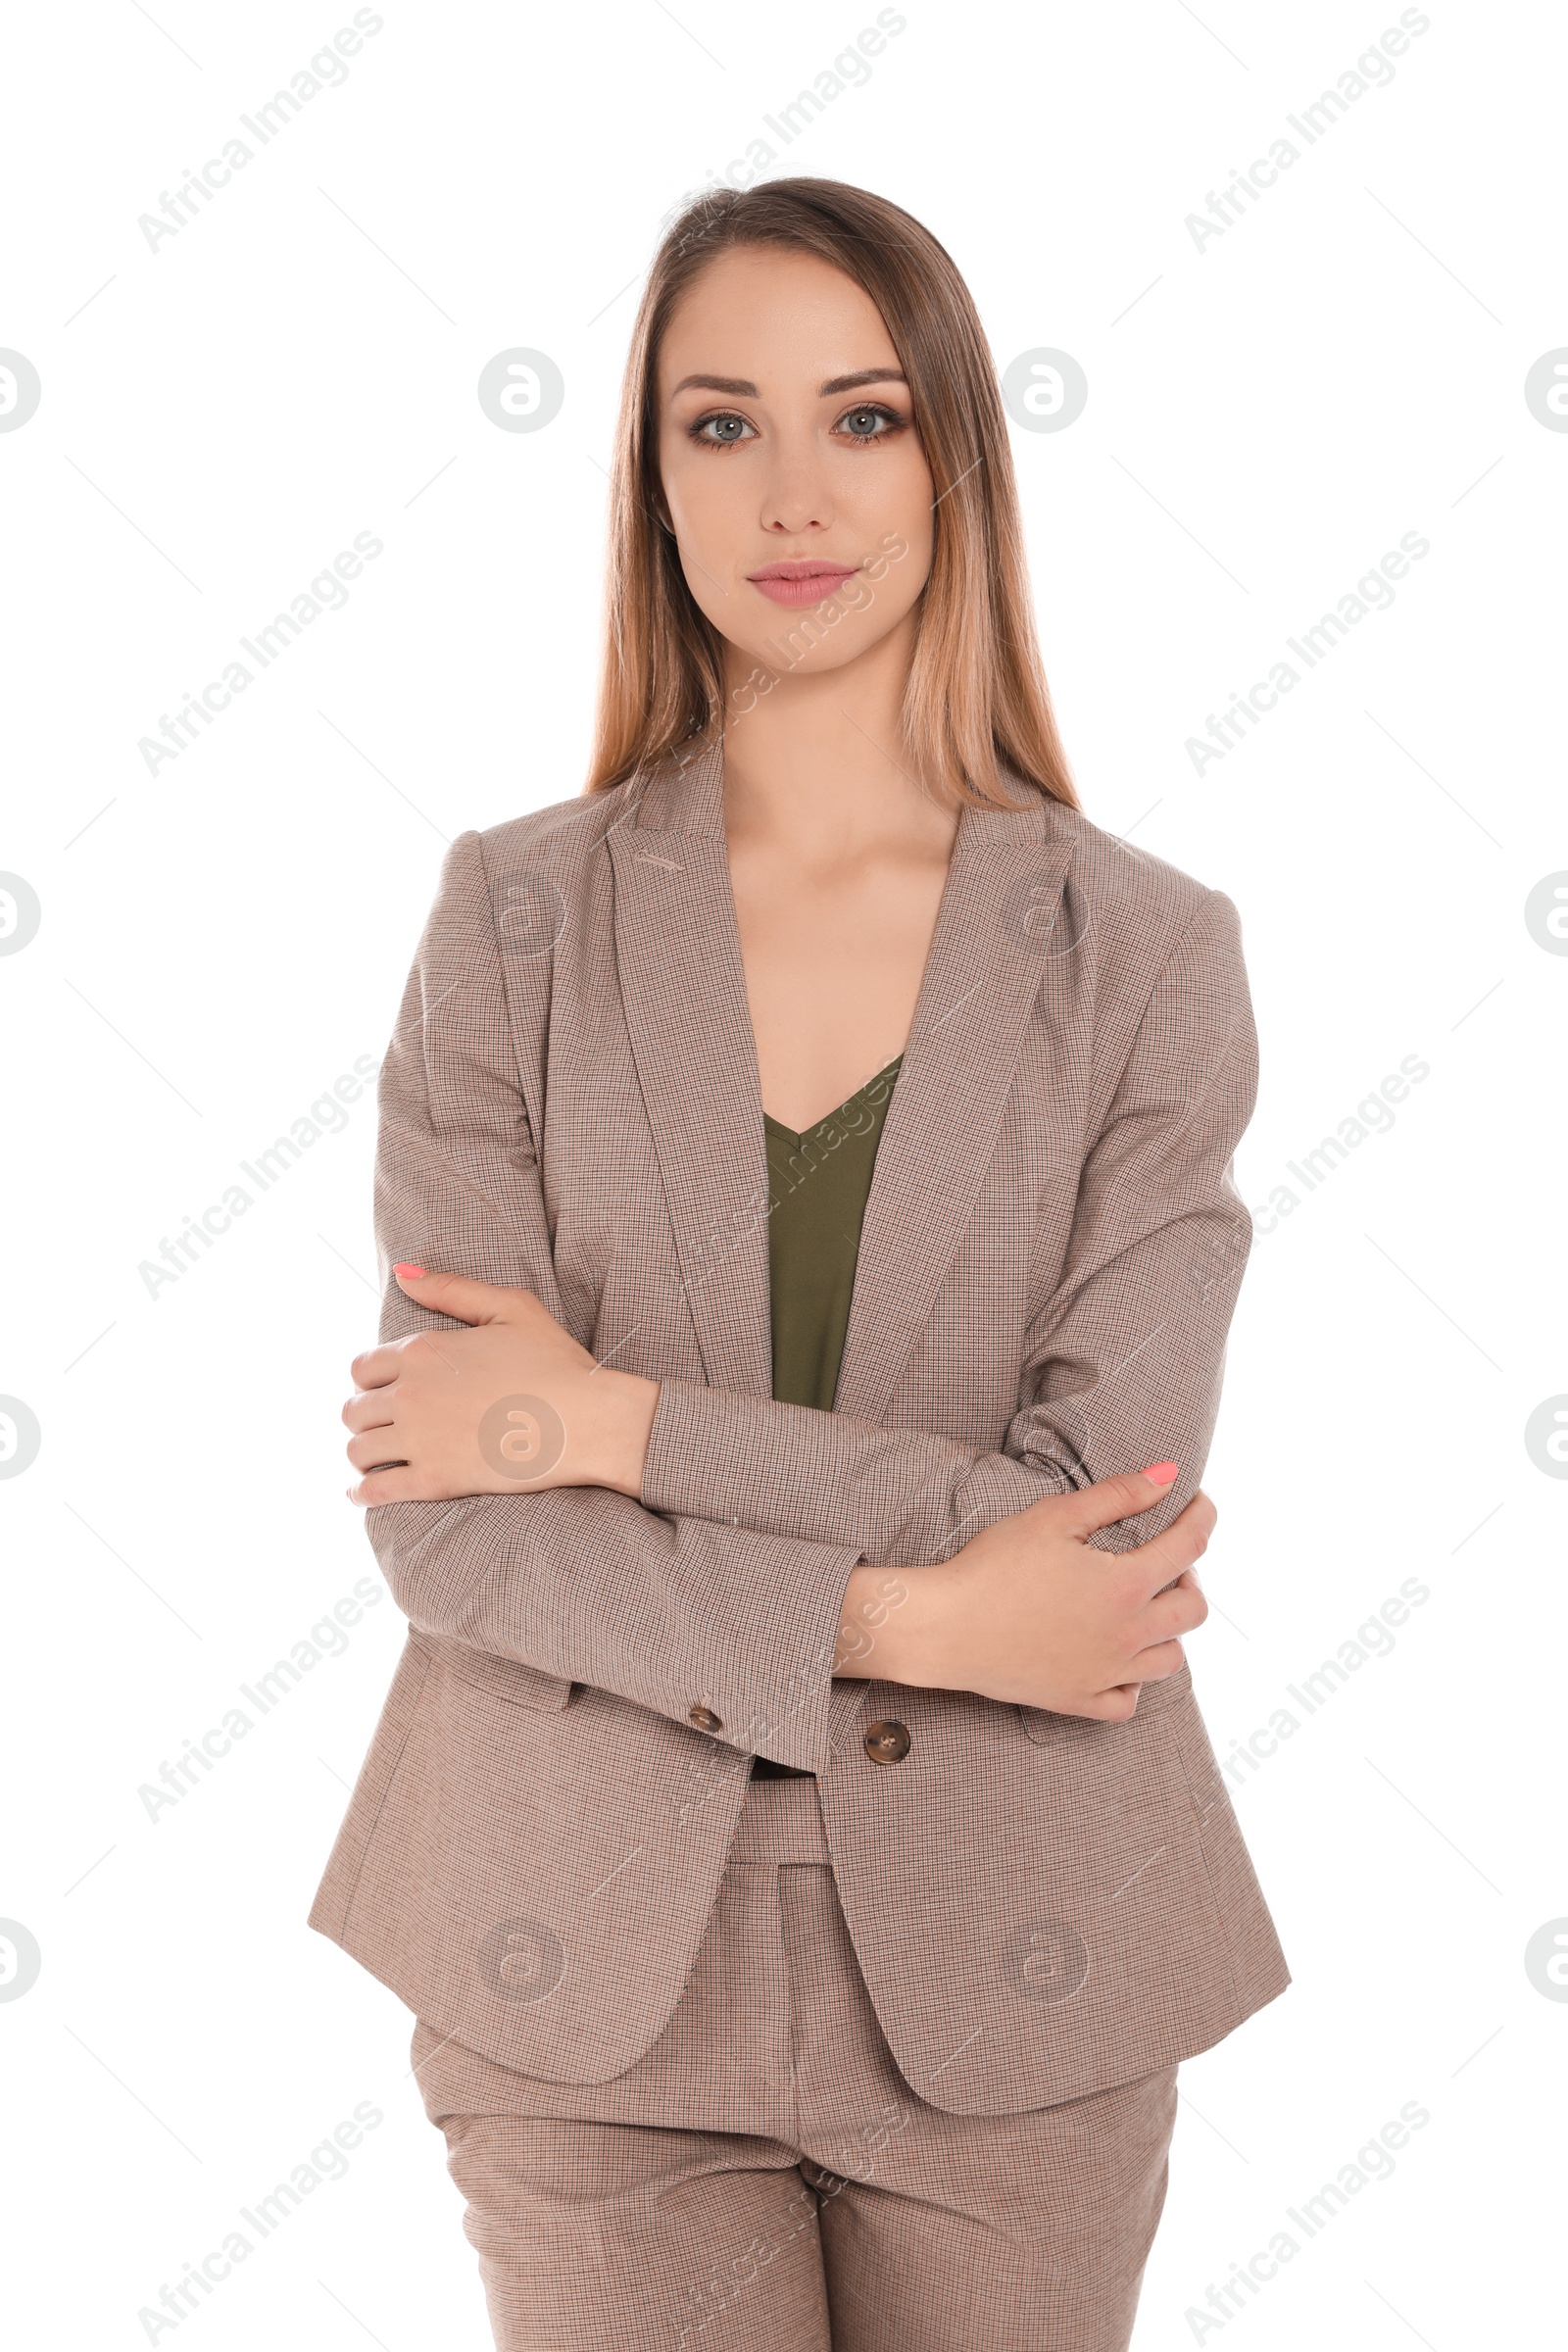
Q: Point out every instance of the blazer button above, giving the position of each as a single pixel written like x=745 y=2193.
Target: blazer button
x=886 y=1742
x=705 y=1719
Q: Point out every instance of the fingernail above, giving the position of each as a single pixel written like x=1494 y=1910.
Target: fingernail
x=1162 y=1472
x=416 y=1272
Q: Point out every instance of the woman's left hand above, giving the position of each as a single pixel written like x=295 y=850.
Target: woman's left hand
x=510 y=1405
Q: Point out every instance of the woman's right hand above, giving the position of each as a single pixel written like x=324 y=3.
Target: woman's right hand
x=1029 y=1611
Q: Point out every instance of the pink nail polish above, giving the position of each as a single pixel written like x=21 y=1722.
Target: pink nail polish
x=415 y=1273
x=1162 y=1472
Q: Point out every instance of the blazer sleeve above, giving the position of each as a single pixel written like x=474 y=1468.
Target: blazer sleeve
x=673 y=1613
x=1122 y=1363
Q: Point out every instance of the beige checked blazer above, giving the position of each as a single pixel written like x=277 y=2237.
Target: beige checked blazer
x=1041 y=1905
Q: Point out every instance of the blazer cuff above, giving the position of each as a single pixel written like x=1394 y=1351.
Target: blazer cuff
x=706 y=1449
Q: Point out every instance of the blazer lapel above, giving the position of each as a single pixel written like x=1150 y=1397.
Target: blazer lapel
x=995 y=938
x=683 y=986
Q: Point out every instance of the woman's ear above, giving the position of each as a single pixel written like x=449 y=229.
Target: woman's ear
x=662 y=512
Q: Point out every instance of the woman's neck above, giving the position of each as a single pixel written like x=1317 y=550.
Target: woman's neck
x=818 y=766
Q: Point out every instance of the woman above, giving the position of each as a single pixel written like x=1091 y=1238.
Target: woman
x=805 y=1173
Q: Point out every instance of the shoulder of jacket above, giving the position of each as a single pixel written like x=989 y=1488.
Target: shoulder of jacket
x=559 y=838
x=1138 y=902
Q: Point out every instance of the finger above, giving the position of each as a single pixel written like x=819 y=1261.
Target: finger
x=1160 y=1661
x=1176 y=1547
x=368 y=1409
x=456 y=1295
x=374 y=1367
x=1155 y=1664
x=1188 y=1576
x=396 y=1483
x=377 y=1446
x=1116 y=1705
x=1111 y=1498
x=1181 y=1610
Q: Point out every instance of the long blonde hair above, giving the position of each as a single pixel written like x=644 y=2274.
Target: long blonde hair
x=976 y=690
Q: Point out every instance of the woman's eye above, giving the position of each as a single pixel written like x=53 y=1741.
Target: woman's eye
x=871 y=422
x=726 y=431
x=863 y=423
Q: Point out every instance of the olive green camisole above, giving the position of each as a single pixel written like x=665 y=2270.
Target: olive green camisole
x=817 y=1187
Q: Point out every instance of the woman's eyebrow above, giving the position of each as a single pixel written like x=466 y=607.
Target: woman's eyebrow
x=862 y=375
x=743 y=388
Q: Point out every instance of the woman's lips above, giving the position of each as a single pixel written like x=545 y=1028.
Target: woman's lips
x=784 y=584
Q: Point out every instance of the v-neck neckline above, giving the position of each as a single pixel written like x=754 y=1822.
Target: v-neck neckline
x=682 y=986
x=798 y=1135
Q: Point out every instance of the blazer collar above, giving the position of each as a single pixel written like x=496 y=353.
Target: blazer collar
x=683 y=986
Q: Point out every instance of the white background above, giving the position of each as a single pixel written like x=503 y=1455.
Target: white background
x=1266 y=415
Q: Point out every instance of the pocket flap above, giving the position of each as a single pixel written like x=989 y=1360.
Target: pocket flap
x=507 y=1679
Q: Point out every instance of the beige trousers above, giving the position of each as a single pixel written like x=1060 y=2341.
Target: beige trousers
x=765 y=2180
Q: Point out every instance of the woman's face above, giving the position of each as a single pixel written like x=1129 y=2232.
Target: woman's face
x=791 y=467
